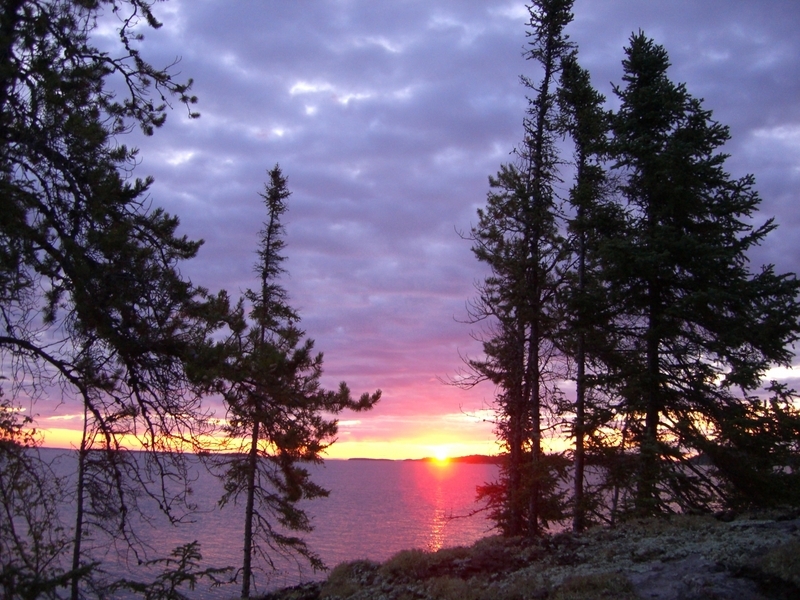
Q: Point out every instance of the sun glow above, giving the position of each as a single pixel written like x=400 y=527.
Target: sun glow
x=441 y=454
x=440 y=449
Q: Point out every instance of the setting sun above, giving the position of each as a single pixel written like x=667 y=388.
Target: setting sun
x=441 y=454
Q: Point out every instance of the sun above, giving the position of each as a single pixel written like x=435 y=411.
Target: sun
x=441 y=454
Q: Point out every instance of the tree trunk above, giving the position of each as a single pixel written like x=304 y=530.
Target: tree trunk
x=514 y=491
x=76 y=547
x=248 y=513
x=579 y=516
x=647 y=494
x=9 y=18
x=534 y=513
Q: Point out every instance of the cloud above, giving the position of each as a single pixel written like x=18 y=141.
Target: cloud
x=387 y=119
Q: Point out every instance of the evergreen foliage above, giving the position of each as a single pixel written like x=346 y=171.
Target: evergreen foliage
x=519 y=236
x=586 y=338
x=696 y=324
x=277 y=408
x=91 y=301
x=637 y=286
x=180 y=568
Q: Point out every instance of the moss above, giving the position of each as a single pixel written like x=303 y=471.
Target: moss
x=783 y=563
x=599 y=586
x=453 y=588
x=520 y=586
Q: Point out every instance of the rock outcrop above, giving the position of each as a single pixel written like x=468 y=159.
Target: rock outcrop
x=755 y=557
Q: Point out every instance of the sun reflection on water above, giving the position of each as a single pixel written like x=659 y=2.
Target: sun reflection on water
x=436 y=538
x=436 y=487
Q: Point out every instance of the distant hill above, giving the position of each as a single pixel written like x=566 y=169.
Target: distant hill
x=472 y=459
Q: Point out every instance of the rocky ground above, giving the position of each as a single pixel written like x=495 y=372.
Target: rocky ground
x=752 y=557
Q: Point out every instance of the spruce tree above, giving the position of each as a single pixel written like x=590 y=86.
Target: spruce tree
x=586 y=338
x=276 y=407
x=518 y=236
x=697 y=324
x=519 y=353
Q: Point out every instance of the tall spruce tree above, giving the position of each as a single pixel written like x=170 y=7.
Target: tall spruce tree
x=698 y=325
x=586 y=337
x=519 y=289
x=276 y=407
x=518 y=236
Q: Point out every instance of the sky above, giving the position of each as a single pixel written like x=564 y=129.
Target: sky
x=387 y=119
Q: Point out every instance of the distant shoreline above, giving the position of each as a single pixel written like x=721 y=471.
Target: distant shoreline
x=472 y=459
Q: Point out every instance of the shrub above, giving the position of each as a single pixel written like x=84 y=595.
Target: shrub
x=407 y=564
x=348 y=578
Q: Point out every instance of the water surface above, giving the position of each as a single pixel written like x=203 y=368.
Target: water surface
x=375 y=509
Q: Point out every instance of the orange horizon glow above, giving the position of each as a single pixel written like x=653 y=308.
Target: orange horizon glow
x=439 y=436
x=394 y=449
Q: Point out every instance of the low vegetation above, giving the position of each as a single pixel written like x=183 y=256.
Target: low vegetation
x=753 y=556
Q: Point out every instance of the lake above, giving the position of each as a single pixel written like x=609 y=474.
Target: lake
x=375 y=509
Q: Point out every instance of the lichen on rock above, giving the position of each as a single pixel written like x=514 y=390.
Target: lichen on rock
x=680 y=557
